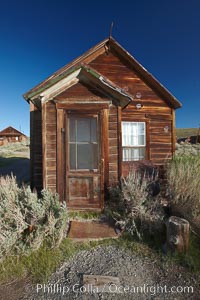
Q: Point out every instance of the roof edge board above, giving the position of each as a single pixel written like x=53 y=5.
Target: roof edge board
x=82 y=61
x=146 y=74
x=73 y=78
x=63 y=70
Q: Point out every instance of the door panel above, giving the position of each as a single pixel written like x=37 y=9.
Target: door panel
x=84 y=191
x=83 y=156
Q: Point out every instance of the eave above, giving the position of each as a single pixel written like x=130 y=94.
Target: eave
x=84 y=73
x=106 y=45
x=67 y=69
x=145 y=75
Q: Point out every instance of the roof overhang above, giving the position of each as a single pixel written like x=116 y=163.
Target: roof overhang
x=143 y=73
x=108 y=44
x=82 y=73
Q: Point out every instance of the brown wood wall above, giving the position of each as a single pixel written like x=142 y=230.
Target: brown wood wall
x=50 y=146
x=113 y=145
x=155 y=109
x=36 y=147
x=50 y=134
x=84 y=92
x=14 y=139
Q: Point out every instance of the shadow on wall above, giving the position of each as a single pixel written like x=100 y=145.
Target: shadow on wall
x=19 y=167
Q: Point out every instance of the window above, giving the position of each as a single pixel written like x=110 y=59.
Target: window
x=133 y=141
x=83 y=143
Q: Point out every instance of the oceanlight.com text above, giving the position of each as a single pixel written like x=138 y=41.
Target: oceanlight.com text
x=113 y=288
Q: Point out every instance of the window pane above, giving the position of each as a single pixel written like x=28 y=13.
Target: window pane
x=87 y=156
x=131 y=154
x=128 y=133
x=141 y=141
x=93 y=130
x=141 y=153
x=83 y=148
x=72 y=155
x=133 y=134
x=72 y=130
x=83 y=130
x=141 y=128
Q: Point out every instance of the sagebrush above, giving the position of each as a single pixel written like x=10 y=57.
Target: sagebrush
x=137 y=208
x=183 y=173
x=26 y=220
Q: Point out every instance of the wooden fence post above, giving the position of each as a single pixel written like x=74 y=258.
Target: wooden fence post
x=178 y=230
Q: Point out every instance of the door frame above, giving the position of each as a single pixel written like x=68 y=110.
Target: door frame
x=102 y=110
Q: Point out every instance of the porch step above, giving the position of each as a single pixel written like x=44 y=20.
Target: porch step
x=91 y=230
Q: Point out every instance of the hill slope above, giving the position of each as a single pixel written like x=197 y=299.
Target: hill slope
x=185 y=132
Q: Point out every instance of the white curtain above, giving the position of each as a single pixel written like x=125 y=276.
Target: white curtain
x=133 y=138
x=129 y=134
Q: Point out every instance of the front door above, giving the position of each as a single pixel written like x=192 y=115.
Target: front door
x=84 y=162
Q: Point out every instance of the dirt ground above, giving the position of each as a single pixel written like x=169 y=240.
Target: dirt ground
x=15 y=290
x=132 y=269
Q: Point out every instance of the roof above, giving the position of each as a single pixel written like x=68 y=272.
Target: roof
x=88 y=56
x=10 y=131
x=84 y=73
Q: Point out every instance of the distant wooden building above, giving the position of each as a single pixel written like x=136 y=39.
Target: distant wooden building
x=95 y=119
x=11 y=135
x=3 y=141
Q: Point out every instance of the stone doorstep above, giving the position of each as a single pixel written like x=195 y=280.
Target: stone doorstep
x=95 y=230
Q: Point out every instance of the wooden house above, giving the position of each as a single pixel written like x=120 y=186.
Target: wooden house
x=3 y=141
x=11 y=135
x=94 y=119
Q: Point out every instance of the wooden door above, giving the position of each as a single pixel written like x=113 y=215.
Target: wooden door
x=84 y=161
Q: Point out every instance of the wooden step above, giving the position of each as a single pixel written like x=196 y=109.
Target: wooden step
x=91 y=230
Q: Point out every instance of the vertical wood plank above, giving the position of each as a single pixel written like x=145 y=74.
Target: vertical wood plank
x=173 y=132
x=66 y=157
x=60 y=153
x=44 y=145
x=119 y=129
x=148 y=149
x=104 y=166
x=31 y=143
x=104 y=145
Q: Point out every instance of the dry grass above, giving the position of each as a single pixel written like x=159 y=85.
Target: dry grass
x=183 y=175
x=18 y=149
x=185 y=132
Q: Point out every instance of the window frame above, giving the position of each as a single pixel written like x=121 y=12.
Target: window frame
x=145 y=146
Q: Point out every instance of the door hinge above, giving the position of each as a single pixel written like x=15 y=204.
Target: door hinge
x=63 y=130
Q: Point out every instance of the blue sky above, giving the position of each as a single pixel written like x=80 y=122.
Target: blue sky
x=38 y=37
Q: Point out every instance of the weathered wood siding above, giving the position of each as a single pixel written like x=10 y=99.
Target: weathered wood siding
x=155 y=110
x=84 y=92
x=49 y=141
x=36 y=147
x=80 y=91
x=113 y=144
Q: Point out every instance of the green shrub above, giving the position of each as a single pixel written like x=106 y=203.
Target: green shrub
x=187 y=149
x=26 y=220
x=11 y=149
x=183 y=190
x=134 y=206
